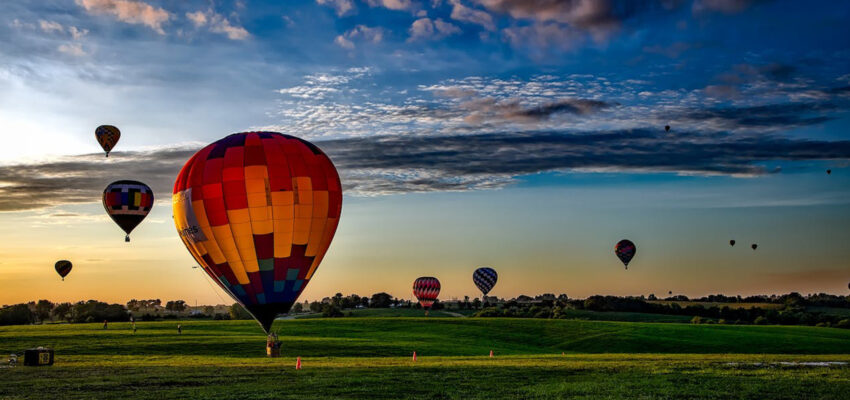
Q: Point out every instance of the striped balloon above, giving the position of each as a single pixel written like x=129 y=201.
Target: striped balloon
x=258 y=211
x=426 y=290
x=127 y=203
x=485 y=278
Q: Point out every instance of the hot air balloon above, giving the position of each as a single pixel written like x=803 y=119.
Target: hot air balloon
x=625 y=250
x=107 y=136
x=127 y=203
x=63 y=267
x=670 y=292
x=732 y=242
x=666 y=128
x=829 y=172
x=754 y=246
x=485 y=278
x=257 y=211
x=426 y=290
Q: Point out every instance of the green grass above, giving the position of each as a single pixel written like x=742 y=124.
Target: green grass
x=366 y=357
x=708 y=304
x=387 y=313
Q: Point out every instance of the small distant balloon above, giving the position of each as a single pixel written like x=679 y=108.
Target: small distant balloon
x=670 y=292
x=829 y=172
x=63 y=267
x=625 y=250
x=107 y=136
x=127 y=203
x=426 y=289
x=667 y=128
x=754 y=246
x=485 y=278
x=732 y=242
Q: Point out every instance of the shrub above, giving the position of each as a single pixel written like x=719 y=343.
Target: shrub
x=696 y=320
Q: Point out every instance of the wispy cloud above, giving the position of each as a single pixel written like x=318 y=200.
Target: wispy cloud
x=379 y=165
x=217 y=23
x=427 y=29
x=342 y=7
x=129 y=11
x=360 y=33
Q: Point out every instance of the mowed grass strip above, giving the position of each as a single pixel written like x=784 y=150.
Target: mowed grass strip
x=394 y=337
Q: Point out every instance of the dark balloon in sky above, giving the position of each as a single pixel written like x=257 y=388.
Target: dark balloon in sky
x=625 y=250
x=63 y=267
x=732 y=242
x=107 y=136
x=667 y=128
x=829 y=172
x=485 y=278
x=754 y=246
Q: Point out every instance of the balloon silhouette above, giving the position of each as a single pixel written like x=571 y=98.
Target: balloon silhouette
x=63 y=267
x=667 y=128
x=485 y=278
x=257 y=211
x=732 y=242
x=426 y=289
x=107 y=136
x=829 y=172
x=754 y=246
x=127 y=203
x=625 y=250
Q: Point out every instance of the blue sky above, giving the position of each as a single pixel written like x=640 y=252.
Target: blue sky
x=453 y=123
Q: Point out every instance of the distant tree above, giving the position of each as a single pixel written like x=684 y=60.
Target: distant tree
x=239 y=312
x=476 y=304
x=331 y=311
x=760 y=321
x=62 y=311
x=42 y=310
x=381 y=300
x=133 y=305
x=316 y=307
x=18 y=314
x=696 y=320
x=209 y=310
x=652 y=297
x=297 y=308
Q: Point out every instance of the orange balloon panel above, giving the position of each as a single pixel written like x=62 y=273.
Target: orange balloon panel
x=258 y=211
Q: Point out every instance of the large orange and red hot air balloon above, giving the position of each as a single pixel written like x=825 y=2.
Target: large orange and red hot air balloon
x=258 y=211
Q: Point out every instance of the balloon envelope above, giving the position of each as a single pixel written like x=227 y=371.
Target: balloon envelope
x=107 y=136
x=754 y=246
x=63 y=267
x=625 y=250
x=426 y=289
x=485 y=278
x=127 y=203
x=258 y=211
x=732 y=242
x=667 y=128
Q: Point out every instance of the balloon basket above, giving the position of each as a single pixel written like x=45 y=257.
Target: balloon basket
x=273 y=346
x=126 y=238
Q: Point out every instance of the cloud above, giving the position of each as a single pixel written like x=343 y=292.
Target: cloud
x=72 y=49
x=342 y=7
x=218 y=24
x=483 y=110
x=463 y=13
x=392 y=4
x=426 y=29
x=379 y=165
x=129 y=11
x=361 y=33
x=542 y=36
x=50 y=26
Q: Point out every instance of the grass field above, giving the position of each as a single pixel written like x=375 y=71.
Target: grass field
x=708 y=304
x=365 y=357
x=570 y=314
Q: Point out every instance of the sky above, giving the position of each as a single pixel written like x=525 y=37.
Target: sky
x=525 y=135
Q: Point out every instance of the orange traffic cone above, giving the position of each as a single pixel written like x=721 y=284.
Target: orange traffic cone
x=491 y=353
x=298 y=363
x=414 y=356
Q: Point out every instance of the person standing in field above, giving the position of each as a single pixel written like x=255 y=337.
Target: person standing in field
x=105 y=324
x=134 y=327
x=179 y=329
